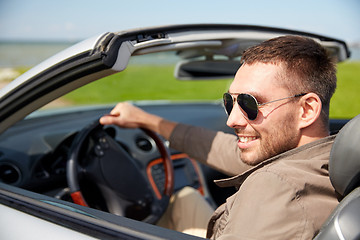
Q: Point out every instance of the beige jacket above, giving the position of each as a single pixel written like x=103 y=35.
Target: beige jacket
x=288 y=196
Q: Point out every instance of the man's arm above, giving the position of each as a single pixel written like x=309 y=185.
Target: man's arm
x=216 y=149
x=213 y=148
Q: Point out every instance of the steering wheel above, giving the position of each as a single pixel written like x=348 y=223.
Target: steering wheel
x=101 y=164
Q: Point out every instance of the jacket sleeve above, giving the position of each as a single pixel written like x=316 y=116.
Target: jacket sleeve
x=215 y=149
x=279 y=204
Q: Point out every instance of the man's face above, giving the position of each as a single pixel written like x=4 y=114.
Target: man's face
x=275 y=128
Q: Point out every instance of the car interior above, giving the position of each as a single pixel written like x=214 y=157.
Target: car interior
x=61 y=165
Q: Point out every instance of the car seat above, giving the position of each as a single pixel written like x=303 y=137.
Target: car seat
x=344 y=171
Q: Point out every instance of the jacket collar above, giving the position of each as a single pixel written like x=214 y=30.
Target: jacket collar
x=310 y=149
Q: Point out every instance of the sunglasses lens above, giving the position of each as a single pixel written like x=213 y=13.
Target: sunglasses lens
x=228 y=102
x=249 y=105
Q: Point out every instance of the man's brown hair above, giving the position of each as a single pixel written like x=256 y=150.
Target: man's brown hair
x=308 y=67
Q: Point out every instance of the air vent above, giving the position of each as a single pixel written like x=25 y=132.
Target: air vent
x=143 y=143
x=9 y=173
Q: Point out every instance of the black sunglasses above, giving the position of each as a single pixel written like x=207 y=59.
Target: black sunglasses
x=248 y=103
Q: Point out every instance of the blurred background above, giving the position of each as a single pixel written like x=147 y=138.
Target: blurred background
x=31 y=31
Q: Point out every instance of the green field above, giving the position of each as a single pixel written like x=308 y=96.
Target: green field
x=157 y=82
x=147 y=83
x=346 y=100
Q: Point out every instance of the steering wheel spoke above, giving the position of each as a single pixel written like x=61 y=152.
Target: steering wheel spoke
x=96 y=158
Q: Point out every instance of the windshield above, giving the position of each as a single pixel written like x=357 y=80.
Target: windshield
x=147 y=77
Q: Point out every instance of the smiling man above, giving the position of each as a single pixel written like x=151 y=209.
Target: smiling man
x=278 y=106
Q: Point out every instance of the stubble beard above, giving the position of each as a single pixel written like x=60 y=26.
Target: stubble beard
x=276 y=140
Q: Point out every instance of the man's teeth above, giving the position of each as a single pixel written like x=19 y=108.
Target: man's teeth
x=246 y=139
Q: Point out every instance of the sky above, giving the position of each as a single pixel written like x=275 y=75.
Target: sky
x=74 y=20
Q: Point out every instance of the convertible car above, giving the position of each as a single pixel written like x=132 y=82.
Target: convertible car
x=64 y=176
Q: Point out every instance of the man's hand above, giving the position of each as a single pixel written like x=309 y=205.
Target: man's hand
x=128 y=116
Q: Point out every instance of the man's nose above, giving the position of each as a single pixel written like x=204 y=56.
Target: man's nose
x=236 y=118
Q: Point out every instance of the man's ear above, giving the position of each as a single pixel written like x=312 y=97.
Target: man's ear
x=310 y=109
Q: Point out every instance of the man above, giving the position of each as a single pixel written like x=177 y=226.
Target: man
x=278 y=106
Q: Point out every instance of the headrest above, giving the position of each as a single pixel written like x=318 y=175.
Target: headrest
x=344 y=164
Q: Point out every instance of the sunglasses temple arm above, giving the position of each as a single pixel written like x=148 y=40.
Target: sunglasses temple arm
x=297 y=95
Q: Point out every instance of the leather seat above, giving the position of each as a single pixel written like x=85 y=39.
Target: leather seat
x=344 y=171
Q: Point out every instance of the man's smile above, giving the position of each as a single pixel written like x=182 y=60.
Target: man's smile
x=245 y=142
x=245 y=139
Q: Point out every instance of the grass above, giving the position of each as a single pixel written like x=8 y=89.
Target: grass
x=346 y=100
x=157 y=82
x=147 y=83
